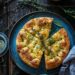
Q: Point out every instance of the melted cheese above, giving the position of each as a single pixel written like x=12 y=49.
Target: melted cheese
x=56 y=36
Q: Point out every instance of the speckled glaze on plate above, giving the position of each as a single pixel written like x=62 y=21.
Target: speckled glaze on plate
x=20 y=24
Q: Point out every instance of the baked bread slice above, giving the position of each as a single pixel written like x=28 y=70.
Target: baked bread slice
x=39 y=26
x=29 y=48
x=56 y=50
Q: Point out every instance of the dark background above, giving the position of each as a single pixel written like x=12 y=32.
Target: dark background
x=12 y=10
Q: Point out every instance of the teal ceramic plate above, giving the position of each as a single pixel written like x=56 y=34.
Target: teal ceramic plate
x=58 y=23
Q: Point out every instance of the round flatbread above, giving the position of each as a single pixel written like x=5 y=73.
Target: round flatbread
x=33 y=40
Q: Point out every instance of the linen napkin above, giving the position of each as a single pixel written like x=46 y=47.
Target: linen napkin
x=68 y=65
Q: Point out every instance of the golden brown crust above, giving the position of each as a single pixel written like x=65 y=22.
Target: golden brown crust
x=40 y=21
x=67 y=41
x=29 y=60
x=53 y=63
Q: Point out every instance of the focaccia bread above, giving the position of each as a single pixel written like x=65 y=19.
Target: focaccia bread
x=33 y=40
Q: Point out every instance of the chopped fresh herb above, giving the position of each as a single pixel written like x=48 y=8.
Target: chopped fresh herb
x=31 y=37
x=52 y=55
x=51 y=41
x=31 y=50
x=40 y=35
x=48 y=52
x=22 y=38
